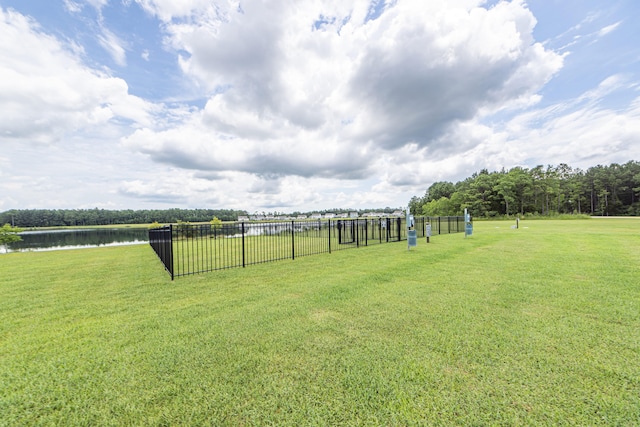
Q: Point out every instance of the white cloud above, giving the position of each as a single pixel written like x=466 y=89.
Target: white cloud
x=581 y=132
x=167 y=10
x=112 y=44
x=98 y=4
x=307 y=104
x=109 y=41
x=72 y=6
x=77 y=6
x=608 y=29
x=583 y=137
x=46 y=91
x=319 y=90
x=248 y=191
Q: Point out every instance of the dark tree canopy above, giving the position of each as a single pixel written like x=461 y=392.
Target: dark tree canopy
x=600 y=190
x=74 y=217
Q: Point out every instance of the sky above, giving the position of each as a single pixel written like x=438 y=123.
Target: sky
x=302 y=105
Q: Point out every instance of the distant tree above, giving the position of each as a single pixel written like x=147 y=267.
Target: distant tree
x=9 y=234
x=415 y=205
x=522 y=185
x=542 y=190
x=480 y=195
x=441 y=207
x=506 y=188
x=439 y=190
x=576 y=191
x=216 y=225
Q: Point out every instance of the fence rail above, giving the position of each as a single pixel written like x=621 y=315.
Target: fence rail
x=186 y=249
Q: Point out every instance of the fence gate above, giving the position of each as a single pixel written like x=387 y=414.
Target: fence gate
x=347 y=231
x=393 y=229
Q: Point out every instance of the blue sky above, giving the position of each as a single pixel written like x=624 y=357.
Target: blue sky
x=303 y=105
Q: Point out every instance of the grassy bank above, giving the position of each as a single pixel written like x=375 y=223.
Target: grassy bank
x=539 y=325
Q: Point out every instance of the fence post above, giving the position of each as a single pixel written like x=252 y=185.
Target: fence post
x=388 y=230
x=171 y=250
x=243 y=261
x=366 y=232
x=293 y=246
x=329 y=236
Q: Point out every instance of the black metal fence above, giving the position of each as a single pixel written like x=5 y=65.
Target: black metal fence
x=197 y=248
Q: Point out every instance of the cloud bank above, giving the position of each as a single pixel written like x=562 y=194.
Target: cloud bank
x=46 y=91
x=295 y=105
x=321 y=89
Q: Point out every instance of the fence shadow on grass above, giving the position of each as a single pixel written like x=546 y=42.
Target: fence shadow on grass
x=186 y=249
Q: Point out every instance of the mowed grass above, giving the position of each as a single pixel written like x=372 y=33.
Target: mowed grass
x=535 y=326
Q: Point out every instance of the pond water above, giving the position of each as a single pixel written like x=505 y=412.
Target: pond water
x=49 y=240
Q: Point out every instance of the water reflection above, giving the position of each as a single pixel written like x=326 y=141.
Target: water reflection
x=78 y=238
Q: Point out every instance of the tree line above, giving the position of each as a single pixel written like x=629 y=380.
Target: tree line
x=81 y=217
x=77 y=217
x=551 y=190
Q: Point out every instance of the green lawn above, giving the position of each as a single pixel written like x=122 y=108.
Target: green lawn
x=535 y=326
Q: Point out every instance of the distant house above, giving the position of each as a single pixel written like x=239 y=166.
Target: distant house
x=301 y=217
x=397 y=213
x=353 y=214
x=243 y=218
x=329 y=215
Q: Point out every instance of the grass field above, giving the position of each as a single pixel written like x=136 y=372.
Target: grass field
x=535 y=326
